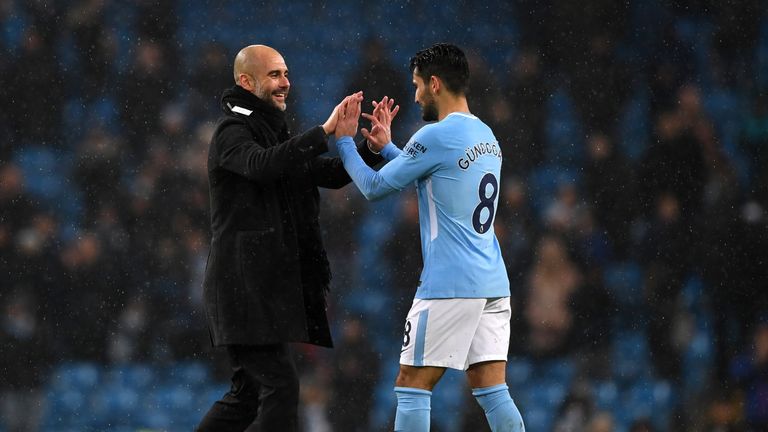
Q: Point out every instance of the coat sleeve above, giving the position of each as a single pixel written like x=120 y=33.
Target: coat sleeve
x=239 y=153
x=329 y=172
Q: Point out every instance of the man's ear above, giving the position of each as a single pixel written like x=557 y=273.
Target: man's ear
x=245 y=82
x=434 y=84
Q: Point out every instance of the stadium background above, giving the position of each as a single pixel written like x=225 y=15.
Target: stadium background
x=632 y=212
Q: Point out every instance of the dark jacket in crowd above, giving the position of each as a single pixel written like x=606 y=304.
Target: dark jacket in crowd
x=267 y=273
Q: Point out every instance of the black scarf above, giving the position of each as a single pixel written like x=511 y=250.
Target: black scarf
x=264 y=116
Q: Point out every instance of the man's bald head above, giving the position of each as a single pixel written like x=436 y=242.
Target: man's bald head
x=262 y=71
x=251 y=57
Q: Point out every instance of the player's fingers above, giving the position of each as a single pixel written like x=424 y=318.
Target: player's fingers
x=374 y=119
x=394 y=112
x=365 y=133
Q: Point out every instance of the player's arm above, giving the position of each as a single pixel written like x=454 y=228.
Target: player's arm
x=328 y=172
x=408 y=166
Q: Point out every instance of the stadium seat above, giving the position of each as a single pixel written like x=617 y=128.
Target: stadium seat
x=450 y=394
x=543 y=183
x=606 y=395
x=131 y=375
x=624 y=283
x=519 y=371
x=631 y=358
x=79 y=376
x=634 y=125
x=187 y=373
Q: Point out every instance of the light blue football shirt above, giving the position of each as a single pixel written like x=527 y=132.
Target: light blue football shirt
x=456 y=164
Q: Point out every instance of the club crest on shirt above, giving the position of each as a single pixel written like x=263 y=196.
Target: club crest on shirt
x=414 y=148
x=471 y=154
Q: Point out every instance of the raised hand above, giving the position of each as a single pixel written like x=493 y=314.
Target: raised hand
x=348 y=115
x=381 y=122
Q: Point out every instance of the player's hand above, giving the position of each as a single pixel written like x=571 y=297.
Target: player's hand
x=348 y=115
x=381 y=122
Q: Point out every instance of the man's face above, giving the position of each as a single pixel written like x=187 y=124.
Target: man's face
x=271 y=81
x=425 y=98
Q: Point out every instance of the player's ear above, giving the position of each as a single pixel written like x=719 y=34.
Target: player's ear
x=434 y=84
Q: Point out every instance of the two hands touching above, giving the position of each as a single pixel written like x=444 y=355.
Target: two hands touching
x=345 y=116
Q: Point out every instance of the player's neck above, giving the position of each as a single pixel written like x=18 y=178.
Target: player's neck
x=451 y=104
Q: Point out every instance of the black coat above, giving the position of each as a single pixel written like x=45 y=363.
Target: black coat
x=267 y=273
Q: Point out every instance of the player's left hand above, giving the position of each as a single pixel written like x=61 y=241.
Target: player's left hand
x=381 y=121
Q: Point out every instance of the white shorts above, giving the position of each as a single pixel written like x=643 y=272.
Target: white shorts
x=456 y=333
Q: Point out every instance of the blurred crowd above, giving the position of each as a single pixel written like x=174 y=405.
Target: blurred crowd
x=628 y=141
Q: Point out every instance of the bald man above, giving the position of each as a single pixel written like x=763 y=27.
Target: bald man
x=267 y=273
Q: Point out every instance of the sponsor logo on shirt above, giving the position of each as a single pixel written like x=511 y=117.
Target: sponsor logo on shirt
x=414 y=148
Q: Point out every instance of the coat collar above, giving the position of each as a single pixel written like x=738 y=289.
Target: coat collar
x=242 y=102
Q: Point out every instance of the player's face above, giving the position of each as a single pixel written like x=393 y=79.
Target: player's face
x=425 y=98
x=271 y=81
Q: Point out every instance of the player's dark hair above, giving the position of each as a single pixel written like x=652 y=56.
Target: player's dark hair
x=445 y=61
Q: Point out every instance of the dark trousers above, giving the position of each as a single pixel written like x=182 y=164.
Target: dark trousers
x=264 y=396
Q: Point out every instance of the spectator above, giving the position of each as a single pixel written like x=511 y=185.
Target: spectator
x=143 y=91
x=600 y=84
x=641 y=425
x=553 y=281
x=665 y=254
x=30 y=124
x=750 y=370
x=609 y=188
x=26 y=362
x=754 y=143
x=515 y=228
x=377 y=77
x=208 y=77
x=98 y=172
x=95 y=45
x=403 y=254
x=567 y=211
x=527 y=94
x=574 y=413
x=674 y=162
x=602 y=421
x=355 y=376
x=91 y=295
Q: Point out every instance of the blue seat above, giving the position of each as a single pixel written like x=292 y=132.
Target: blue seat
x=537 y=419
x=188 y=373
x=606 y=395
x=631 y=356
x=560 y=371
x=131 y=375
x=448 y=400
x=624 y=281
x=544 y=181
x=519 y=371
x=634 y=126
x=384 y=400
x=76 y=376
x=115 y=405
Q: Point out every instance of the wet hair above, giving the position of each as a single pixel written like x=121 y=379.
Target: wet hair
x=445 y=61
